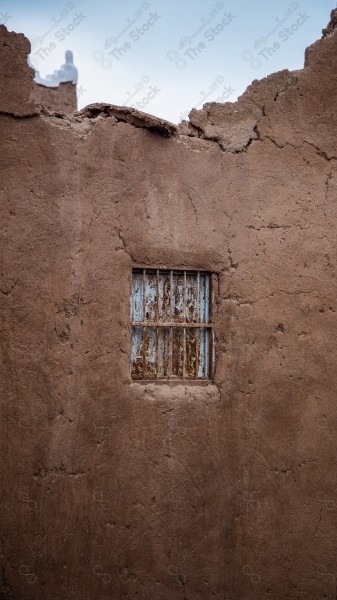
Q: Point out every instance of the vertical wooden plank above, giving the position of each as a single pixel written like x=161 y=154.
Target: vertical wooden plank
x=143 y=329
x=163 y=349
x=184 y=298
x=206 y=298
x=198 y=330
x=157 y=319
x=137 y=353
x=171 y=328
x=184 y=331
x=150 y=293
x=164 y=296
x=151 y=352
x=201 y=353
x=191 y=352
x=212 y=334
x=191 y=297
x=207 y=353
x=178 y=296
x=212 y=369
x=204 y=350
x=211 y=296
x=177 y=352
x=202 y=298
x=137 y=297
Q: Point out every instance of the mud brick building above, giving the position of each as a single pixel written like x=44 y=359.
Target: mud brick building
x=183 y=448
x=57 y=93
x=56 y=99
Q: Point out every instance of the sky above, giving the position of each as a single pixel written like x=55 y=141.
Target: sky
x=164 y=56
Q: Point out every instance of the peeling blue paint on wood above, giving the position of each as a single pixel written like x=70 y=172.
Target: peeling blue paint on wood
x=171 y=330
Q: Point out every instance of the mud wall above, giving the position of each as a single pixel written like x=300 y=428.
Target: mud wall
x=114 y=489
x=59 y=99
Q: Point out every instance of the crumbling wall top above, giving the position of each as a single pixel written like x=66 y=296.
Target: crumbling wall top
x=16 y=77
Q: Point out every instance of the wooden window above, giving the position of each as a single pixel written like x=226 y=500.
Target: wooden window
x=172 y=331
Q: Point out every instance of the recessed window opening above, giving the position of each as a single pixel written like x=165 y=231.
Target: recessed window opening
x=172 y=331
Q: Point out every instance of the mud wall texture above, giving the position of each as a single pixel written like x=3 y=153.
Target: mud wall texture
x=58 y=99
x=114 y=489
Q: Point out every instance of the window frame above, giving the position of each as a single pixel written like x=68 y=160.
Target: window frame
x=184 y=325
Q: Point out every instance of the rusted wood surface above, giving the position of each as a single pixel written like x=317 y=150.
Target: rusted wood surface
x=170 y=314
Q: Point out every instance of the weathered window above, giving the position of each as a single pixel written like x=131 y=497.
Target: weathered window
x=172 y=331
